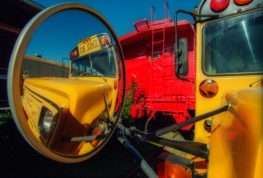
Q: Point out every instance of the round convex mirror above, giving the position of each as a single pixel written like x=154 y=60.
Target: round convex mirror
x=66 y=82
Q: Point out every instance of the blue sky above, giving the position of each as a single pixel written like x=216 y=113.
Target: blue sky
x=123 y=13
x=55 y=38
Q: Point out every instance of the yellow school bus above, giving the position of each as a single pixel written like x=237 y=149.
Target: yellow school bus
x=229 y=69
x=67 y=113
x=229 y=93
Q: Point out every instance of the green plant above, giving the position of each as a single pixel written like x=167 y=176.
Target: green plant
x=5 y=115
x=128 y=103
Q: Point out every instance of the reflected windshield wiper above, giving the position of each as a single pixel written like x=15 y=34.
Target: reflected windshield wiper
x=86 y=73
x=93 y=74
x=259 y=82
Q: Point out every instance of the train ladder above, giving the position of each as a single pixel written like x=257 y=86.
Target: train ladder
x=158 y=29
x=158 y=41
x=158 y=33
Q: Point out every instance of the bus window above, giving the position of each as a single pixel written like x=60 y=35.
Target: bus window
x=103 y=62
x=224 y=39
x=100 y=63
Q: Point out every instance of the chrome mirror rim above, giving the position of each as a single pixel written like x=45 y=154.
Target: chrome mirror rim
x=14 y=71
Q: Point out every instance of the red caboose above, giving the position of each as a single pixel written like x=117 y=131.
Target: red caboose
x=151 y=64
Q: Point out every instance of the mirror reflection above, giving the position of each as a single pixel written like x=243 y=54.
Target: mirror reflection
x=70 y=83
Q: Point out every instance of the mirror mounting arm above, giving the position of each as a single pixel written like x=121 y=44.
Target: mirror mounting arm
x=177 y=47
x=136 y=134
x=146 y=168
x=176 y=25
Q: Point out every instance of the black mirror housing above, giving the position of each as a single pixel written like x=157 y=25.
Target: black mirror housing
x=181 y=55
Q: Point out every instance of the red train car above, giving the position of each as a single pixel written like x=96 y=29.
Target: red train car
x=150 y=64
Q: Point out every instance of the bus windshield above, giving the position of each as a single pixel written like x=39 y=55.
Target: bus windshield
x=100 y=63
x=234 y=45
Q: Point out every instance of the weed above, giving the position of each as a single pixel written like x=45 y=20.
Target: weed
x=128 y=103
x=5 y=115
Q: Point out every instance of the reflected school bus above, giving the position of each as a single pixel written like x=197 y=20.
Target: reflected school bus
x=59 y=109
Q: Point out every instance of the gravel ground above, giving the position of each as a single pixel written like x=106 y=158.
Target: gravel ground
x=18 y=159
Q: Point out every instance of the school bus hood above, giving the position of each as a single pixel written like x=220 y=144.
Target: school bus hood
x=83 y=98
x=237 y=137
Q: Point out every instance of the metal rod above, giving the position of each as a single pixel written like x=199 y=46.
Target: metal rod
x=9 y=28
x=194 y=148
x=175 y=127
x=137 y=134
x=4 y=108
x=3 y=77
x=88 y=138
x=146 y=168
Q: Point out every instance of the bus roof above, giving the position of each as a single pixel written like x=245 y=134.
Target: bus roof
x=229 y=7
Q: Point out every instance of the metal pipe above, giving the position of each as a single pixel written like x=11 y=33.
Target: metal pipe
x=146 y=168
x=4 y=108
x=88 y=138
x=175 y=127
x=137 y=134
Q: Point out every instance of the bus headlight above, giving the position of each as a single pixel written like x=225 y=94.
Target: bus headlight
x=45 y=123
